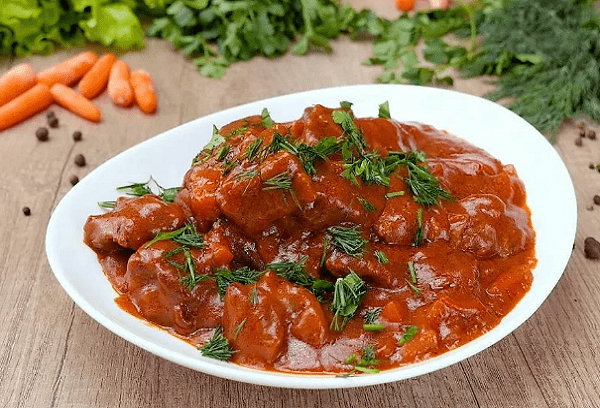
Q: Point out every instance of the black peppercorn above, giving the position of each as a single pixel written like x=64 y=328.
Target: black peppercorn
x=591 y=166
x=597 y=199
x=578 y=142
x=50 y=114
x=42 y=134
x=591 y=248
x=80 y=160
x=582 y=132
x=53 y=122
x=77 y=136
x=27 y=211
x=74 y=180
x=591 y=134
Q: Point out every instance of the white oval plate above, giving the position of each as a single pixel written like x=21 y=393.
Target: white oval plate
x=166 y=157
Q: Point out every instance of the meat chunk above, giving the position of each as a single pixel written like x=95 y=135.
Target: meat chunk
x=198 y=195
x=253 y=200
x=485 y=226
x=132 y=223
x=258 y=319
x=156 y=290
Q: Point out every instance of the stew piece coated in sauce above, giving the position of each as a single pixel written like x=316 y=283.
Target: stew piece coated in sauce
x=330 y=244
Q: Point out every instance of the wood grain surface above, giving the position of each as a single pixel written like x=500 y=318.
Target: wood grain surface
x=53 y=355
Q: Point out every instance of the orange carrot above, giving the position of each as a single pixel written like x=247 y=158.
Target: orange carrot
x=78 y=104
x=405 y=5
x=94 y=82
x=16 y=81
x=143 y=90
x=119 y=87
x=25 y=105
x=68 y=72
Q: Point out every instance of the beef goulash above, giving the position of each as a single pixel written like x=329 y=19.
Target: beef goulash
x=331 y=244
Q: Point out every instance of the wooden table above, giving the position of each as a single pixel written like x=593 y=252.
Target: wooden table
x=53 y=355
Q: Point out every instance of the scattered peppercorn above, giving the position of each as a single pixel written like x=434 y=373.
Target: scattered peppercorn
x=578 y=142
x=80 y=160
x=42 y=134
x=50 y=114
x=591 y=134
x=74 y=180
x=597 y=199
x=591 y=248
x=27 y=211
x=590 y=208
x=77 y=135
x=53 y=122
x=591 y=166
x=582 y=132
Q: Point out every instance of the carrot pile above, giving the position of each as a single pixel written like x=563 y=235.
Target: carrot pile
x=23 y=93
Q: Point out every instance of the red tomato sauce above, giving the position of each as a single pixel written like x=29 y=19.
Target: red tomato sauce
x=434 y=275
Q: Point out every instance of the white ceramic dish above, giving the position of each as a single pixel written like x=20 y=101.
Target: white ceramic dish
x=166 y=157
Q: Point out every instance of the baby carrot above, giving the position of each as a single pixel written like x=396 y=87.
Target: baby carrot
x=119 y=87
x=16 y=81
x=95 y=80
x=405 y=5
x=78 y=104
x=68 y=72
x=25 y=105
x=143 y=90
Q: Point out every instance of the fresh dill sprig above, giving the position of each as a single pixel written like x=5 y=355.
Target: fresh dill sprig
x=253 y=297
x=321 y=150
x=365 y=363
x=190 y=280
x=280 y=142
x=411 y=271
x=348 y=239
x=238 y=329
x=253 y=149
x=218 y=347
x=245 y=275
x=369 y=167
x=296 y=273
x=347 y=296
x=281 y=181
x=354 y=136
x=141 y=189
x=186 y=235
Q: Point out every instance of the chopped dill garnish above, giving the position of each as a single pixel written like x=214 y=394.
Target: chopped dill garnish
x=372 y=316
x=420 y=232
x=107 y=204
x=367 y=205
x=223 y=152
x=370 y=168
x=244 y=275
x=354 y=138
x=253 y=298
x=266 y=120
x=238 y=329
x=365 y=363
x=393 y=194
x=325 y=248
x=281 y=181
x=384 y=110
x=381 y=257
x=296 y=273
x=248 y=175
x=409 y=333
x=280 y=142
x=411 y=271
x=141 y=189
x=412 y=287
x=216 y=140
x=229 y=165
x=348 y=239
x=348 y=293
x=217 y=347
x=253 y=149
x=186 y=235
x=321 y=150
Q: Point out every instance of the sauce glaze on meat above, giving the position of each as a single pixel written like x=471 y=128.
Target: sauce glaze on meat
x=472 y=265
